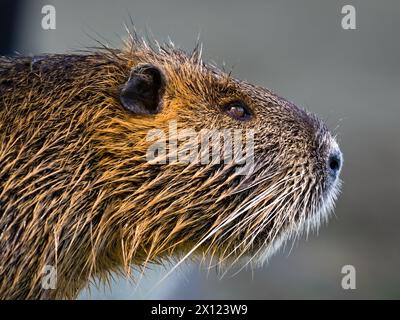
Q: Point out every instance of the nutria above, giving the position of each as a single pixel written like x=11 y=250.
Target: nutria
x=78 y=191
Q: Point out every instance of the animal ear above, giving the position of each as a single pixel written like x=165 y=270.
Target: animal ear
x=144 y=90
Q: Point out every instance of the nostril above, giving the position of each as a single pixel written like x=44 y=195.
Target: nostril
x=334 y=162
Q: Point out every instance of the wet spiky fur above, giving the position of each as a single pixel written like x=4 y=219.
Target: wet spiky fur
x=77 y=192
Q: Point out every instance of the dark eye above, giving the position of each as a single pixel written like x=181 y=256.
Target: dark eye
x=237 y=110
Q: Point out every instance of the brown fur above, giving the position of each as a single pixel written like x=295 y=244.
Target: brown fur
x=77 y=192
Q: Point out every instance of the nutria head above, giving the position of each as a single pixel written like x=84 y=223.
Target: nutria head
x=118 y=158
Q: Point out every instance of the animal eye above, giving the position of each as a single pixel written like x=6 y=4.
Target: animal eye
x=237 y=110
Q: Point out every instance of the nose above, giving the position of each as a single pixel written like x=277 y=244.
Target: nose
x=334 y=163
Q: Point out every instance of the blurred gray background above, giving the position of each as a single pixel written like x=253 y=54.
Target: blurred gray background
x=350 y=78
